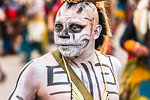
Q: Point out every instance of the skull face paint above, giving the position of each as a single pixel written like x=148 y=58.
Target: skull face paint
x=73 y=29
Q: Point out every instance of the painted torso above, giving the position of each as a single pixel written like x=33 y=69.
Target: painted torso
x=44 y=79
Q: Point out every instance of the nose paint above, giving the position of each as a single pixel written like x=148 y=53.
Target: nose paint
x=64 y=34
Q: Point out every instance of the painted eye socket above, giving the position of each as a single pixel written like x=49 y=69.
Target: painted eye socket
x=58 y=27
x=75 y=28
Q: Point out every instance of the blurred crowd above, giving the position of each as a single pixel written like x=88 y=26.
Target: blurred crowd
x=25 y=22
x=27 y=25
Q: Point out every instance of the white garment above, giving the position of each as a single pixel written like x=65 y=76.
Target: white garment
x=145 y=16
x=36 y=8
x=142 y=4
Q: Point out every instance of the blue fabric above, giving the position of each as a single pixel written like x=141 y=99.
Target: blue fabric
x=28 y=47
x=7 y=45
x=121 y=6
x=145 y=89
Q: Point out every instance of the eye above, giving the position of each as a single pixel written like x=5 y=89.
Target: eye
x=76 y=28
x=58 y=27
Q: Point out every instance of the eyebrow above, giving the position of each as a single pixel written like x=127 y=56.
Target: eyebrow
x=88 y=19
x=58 y=22
x=76 y=23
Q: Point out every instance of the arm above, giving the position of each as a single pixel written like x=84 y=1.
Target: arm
x=129 y=42
x=26 y=85
x=129 y=33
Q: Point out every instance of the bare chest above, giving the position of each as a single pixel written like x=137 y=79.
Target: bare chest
x=56 y=84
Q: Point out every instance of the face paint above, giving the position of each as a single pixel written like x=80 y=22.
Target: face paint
x=73 y=29
x=80 y=10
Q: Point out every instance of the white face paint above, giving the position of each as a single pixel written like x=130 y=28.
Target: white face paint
x=73 y=29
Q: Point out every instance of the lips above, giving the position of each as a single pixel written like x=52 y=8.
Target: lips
x=68 y=44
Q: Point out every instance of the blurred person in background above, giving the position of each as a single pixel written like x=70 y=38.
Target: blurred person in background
x=135 y=80
x=2 y=19
x=121 y=13
x=13 y=27
x=35 y=35
x=6 y=43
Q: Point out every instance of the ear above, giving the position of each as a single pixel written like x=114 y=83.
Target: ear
x=97 y=31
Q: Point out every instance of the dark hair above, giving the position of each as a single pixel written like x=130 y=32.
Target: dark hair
x=102 y=22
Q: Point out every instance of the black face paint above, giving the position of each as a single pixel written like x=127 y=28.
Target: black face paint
x=69 y=5
x=59 y=13
x=88 y=19
x=73 y=36
x=86 y=41
x=64 y=34
x=76 y=28
x=79 y=10
x=58 y=27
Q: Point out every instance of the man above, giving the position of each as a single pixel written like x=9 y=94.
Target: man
x=76 y=28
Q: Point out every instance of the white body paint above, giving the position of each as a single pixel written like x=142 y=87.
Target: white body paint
x=33 y=83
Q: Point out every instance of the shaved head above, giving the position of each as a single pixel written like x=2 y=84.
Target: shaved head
x=86 y=10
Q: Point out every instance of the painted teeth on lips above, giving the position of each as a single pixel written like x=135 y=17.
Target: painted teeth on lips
x=68 y=44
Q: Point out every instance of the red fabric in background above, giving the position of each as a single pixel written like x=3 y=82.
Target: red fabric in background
x=57 y=6
x=11 y=13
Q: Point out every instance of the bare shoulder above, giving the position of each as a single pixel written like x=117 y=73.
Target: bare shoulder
x=115 y=63
x=36 y=70
x=32 y=76
x=117 y=66
x=113 y=59
x=38 y=66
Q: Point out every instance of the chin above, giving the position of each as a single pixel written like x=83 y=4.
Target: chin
x=70 y=53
